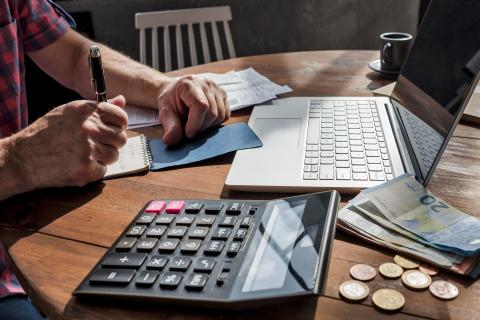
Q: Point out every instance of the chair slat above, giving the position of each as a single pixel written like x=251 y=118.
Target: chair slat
x=155 y=59
x=228 y=36
x=167 y=50
x=143 y=47
x=216 y=41
x=206 y=51
x=178 y=39
x=192 y=45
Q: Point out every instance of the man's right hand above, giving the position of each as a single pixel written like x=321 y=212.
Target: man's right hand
x=72 y=144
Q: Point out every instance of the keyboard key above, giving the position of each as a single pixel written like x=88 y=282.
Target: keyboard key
x=196 y=282
x=326 y=141
x=185 y=220
x=221 y=233
x=342 y=157
x=157 y=262
x=235 y=208
x=341 y=144
x=194 y=207
x=246 y=222
x=190 y=246
x=341 y=139
x=326 y=147
x=156 y=231
x=307 y=168
x=175 y=206
x=146 y=245
x=377 y=176
x=233 y=248
x=177 y=232
x=371 y=147
x=325 y=161
x=112 y=277
x=386 y=163
x=358 y=169
x=326 y=172
x=311 y=154
x=310 y=176
x=170 y=279
x=204 y=265
x=342 y=164
x=311 y=161
x=136 y=231
x=373 y=160
x=341 y=150
x=311 y=147
x=146 y=218
x=356 y=143
x=127 y=260
x=168 y=245
x=372 y=153
x=198 y=232
x=213 y=208
x=325 y=154
x=126 y=244
x=228 y=221
x=383 y=150
x=313 y=168
x=357 y=154
x=356 y=148
x=375 y=167
x=389 y=176
x=214 y=248
x=388 y=170
x=240 y=234
x=180 y=264
x=358 y=162
x=155 y=207
x=146 y=278
x=360 y=176
x=205 y=220
x=166 y=220
x=355 y=137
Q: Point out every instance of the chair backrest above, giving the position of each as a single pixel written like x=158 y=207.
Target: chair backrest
x=164 y=19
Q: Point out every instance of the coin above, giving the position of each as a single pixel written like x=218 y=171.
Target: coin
x=443 y=289
x=415 y=279
x=405 y=263
x=354 y=290
x=363 y=272
x=388 y=299
x=390 y=270
x=428 y=269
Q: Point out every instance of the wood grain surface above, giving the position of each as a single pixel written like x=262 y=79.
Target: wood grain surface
x=55 y=236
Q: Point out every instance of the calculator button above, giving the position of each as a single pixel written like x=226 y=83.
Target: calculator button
x=157 y=262
x=205 y=221
x=213 y=208
x=170 y=279
x=233 y=249
x=235 y=208
x=190 y=246
x=146 y=245
x=120 y=260
x=185 y=220
x=110 y=276
x=146 y=278
x=155 y=206
x=252 y=210
x=204 y=265
x=227 y=266
x=175 y=206
x=240 y=234
x=136 y=231
x=246 y=222
x=156 y=231
x=222 y=278
x=166 y=220
x=126 y=244
x=228 y=221
x=221 y=233
x=214 y=248
x=194 y=207
x=177 y=232
x=168 y=245
x=196 y=282
x=180 y=264
x=146 y=218
x=198 y=232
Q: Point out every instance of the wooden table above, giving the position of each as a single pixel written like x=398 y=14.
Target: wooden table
x=56 y=236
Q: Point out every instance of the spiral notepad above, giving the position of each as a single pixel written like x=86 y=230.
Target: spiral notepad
x=134 y=157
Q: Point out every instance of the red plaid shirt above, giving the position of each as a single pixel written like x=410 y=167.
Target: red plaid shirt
x=25 y=25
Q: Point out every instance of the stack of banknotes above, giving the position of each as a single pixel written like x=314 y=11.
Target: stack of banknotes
x=403 y=215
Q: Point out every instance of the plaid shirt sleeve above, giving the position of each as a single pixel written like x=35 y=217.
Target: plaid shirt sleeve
x=40 y=24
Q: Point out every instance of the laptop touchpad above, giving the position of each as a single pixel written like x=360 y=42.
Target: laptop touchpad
x=278 y=133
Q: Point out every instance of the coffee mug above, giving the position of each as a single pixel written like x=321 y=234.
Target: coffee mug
x=394 y=48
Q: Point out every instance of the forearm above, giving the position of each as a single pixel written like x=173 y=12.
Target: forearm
x=11 y=176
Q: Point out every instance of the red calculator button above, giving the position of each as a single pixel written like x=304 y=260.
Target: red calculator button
x=155 y=207
x=175 y=206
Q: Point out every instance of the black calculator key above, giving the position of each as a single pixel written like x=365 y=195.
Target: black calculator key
x=177 y=232
x=157 y=262
x=146 y=278
x=204 y=265
x=235 y=208
x=168 y=245
x=228 y=221
x=190 y=246
x=126 y=244
x=124 y=260
x=222 y=278
x=213 y=208
x=205 y=221
x=198 y=232
x=221 y=233
x=194 y=207
x=112 y=276
x=156 y=231
x=252 y=210
x=185 y=220
x=233 y=248
x=146 y=218
x=196 y=281
x=240 y=234
x=165 y=219
x=214 y=248
x=246 y=222
x=170 y=279
x=180 y=264
x=146 y=245
x=136 y=231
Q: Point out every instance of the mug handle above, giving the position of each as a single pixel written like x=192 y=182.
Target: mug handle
x=386 y=53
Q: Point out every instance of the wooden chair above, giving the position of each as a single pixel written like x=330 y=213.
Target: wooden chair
x=166 y=19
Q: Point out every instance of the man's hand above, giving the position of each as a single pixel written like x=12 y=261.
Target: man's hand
x=72 y=144
x=192 y=102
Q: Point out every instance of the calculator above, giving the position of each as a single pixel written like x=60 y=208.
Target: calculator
x=226 y=254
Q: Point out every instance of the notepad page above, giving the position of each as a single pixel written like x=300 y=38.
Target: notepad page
x=133 y=158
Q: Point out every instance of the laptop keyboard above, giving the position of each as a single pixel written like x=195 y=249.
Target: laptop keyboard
x=345 y=141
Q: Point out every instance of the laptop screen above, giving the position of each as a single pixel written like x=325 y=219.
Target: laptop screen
x=437 y=78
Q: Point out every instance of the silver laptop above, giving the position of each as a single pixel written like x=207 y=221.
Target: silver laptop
x=350 y=143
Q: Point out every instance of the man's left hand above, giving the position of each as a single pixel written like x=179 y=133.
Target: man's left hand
x=191 y=105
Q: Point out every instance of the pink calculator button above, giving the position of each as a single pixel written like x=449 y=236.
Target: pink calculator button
x=175 y=206
x=155 y=207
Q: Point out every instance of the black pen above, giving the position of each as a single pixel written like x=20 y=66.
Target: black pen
x=96 y=72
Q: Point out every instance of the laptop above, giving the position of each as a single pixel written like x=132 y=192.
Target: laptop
x=351 y=143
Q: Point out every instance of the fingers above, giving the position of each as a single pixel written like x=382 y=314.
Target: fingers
x=172 y=126
x=119 y=101
x=113 y=114
x=105 y=154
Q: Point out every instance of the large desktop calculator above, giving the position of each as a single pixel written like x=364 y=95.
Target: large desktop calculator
x=220 y=253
